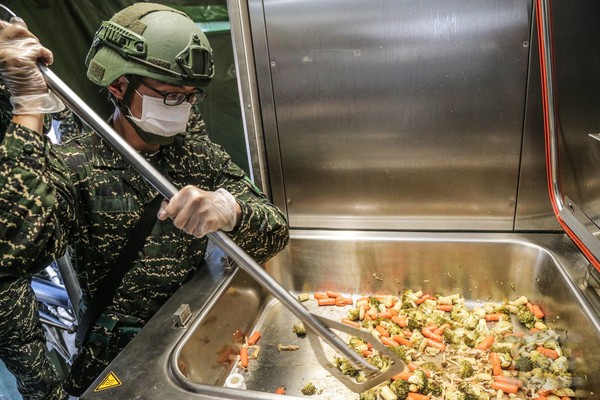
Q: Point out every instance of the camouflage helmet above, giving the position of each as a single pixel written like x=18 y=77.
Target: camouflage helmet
x=154 y=41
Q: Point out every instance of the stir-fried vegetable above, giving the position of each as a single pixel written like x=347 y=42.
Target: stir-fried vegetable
x=454 y=352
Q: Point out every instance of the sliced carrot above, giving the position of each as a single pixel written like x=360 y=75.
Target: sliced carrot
x=444 y=307
x=428 y=334
x=505 y=387
x=401 y=321
x=493 y=317
x=320 y=296
x=280 y=390
x=402 y=340
x=496 y=365
x=351 y=323
x=536 y=310
x=254 y=338
x=333 y=294
x=330 y=301
x=436 y=345
x=552 y=354
x=509 y=379
x=244 y=357
x=389 y=342
x=486 y=343
x=382 y=331
x=416 y=396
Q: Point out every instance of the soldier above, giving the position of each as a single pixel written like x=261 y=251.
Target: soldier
x=154 y=61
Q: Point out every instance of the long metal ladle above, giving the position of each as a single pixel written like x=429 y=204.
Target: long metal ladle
x=318 y=325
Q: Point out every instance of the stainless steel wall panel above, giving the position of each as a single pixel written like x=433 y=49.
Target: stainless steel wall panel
x=397 y=114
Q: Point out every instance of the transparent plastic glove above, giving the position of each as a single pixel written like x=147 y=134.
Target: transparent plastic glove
x=198 y=212
x=20 y=51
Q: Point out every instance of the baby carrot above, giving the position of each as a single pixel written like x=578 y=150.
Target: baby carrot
x=320 y=296
x=351 y=323
x=496 y=366
x=552 y=354
x=333 y=294
x=254 y=338
x=436 y=345
x=388 y=342
x=508 y=379
x=486 y=343
x=423 y=298
x=382 y=331
x=280 y=390
x=414 y=367
x=505 y=387
x=402 y=340
x=441 y=329
x=445 y=307
x=401 y=321
x=403 y=376
x=343 y=301
x=416 y=396
x=330 y=301
x=535 y=310
x=384 y=315
x=244 y=357
x=493 y=317
x=428 y=334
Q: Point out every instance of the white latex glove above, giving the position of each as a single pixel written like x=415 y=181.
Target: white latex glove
x=20 y=51
x=198 y=212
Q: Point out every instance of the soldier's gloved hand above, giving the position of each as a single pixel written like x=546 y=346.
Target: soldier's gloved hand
x=19 y=52
x=199 y=212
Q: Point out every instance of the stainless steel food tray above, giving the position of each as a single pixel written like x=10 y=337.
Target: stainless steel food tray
x=168 y=362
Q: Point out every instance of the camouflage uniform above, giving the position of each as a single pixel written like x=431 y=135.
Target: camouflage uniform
x=22 y=339
x=98 y=198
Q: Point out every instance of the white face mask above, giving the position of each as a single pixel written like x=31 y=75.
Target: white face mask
x=160 y=119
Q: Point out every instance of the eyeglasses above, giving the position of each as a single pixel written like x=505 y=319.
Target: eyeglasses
x=176 y=98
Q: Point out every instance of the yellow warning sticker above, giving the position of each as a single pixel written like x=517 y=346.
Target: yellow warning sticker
x=109 y=382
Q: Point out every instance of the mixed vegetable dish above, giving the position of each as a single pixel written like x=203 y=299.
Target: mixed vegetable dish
x=456 y=352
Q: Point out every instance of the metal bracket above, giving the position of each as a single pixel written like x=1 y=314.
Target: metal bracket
x=182 y=316
x=591 y=278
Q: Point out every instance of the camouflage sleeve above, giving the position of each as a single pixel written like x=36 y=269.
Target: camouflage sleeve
x=263 y=230
x=34 y=197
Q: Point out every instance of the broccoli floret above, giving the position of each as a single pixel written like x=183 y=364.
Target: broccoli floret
x=525 y=316
x=299 y=329
x=358 y=344
x=354 y=314
x=379 y=361
x=455 y=395
x=523 y=364
x=369 y=323
x=309 y=389
x=560 y=366
x=473 y=392
x=540 y=360
x=400 y=388
x=466 y=369
x=470 y=339
x=433 y=388
x=451 y=337
x=400 y=351
x=370 y=394
x=419 y=379
x=345 y=366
